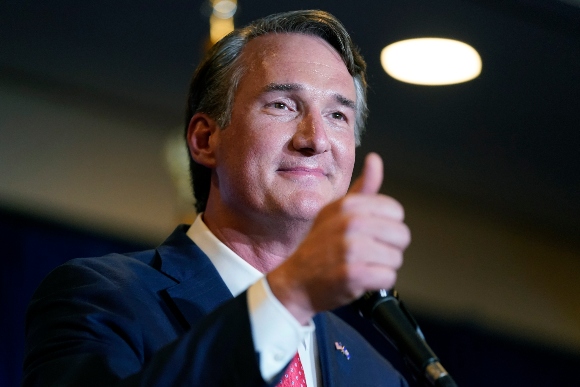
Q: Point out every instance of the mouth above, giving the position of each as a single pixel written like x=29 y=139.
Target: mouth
x=303 y=171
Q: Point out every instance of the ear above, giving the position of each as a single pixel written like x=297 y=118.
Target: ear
x=201 y=139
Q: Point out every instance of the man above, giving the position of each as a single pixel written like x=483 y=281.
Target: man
x=275 y=112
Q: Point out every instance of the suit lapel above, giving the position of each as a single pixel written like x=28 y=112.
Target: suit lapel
x=335 y=368
x=199 y=288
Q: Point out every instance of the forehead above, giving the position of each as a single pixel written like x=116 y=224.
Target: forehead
x=286 y=44
x=293 y=55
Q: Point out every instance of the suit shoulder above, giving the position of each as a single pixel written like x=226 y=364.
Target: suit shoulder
x=109 y=271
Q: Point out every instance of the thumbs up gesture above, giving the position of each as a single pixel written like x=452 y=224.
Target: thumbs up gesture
x=355 y=245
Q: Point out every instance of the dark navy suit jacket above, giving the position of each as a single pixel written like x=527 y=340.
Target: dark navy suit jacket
x=164 y=317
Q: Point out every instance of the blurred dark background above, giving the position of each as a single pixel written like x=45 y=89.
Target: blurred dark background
x=92 y=98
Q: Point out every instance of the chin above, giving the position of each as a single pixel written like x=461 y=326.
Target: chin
x=305 y=208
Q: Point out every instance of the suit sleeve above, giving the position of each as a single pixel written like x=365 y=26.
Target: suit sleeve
x=81 y=329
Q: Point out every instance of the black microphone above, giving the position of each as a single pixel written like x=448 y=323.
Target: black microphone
x=394 y=321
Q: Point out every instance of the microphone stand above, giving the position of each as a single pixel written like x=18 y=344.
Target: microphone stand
x=394 y=321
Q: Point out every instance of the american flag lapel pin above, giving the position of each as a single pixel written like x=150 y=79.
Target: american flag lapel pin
x=339 y=347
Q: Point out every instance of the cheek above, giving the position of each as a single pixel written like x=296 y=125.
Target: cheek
x=250 y=152
x=344 y=150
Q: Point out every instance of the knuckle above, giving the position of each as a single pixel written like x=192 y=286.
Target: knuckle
x=397 y=260
x=406 y=234
x=396 y=209
x=401 y=211
x=354 y=279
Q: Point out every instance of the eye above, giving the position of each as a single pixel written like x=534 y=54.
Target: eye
x=338 y=116
x=280 y=106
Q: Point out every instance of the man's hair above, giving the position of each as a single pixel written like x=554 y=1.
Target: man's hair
x=216 y=79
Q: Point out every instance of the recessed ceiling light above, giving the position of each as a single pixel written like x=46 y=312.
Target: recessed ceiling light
x=431 y=61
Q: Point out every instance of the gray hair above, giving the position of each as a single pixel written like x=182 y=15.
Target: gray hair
x=216 y=79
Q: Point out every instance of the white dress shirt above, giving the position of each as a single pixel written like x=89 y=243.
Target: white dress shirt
x=277 y=335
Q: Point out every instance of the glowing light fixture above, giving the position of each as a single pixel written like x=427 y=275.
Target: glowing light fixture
x=221 y=21
x=431 y=61
x=224 y=9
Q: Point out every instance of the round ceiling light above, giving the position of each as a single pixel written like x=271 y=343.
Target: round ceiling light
x=431 y=61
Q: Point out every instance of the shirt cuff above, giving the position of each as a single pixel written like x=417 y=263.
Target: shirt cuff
x=275 y=332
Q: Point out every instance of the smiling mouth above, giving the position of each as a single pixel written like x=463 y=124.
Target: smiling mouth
x=303 y=171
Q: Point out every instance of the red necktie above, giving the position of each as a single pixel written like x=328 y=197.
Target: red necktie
x=294 y=374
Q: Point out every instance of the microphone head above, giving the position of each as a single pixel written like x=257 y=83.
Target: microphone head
x=367 y=303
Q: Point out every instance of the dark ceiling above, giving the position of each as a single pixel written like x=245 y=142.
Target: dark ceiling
x=507 y=142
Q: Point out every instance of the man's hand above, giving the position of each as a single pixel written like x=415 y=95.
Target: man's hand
x=355 y=245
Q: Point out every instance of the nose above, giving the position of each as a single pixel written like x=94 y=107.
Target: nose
x=311 y=135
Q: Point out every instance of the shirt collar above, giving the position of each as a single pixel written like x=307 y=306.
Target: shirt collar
x=237 y=274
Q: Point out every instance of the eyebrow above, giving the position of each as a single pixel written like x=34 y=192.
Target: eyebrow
x=282 y=87
x=295 y=86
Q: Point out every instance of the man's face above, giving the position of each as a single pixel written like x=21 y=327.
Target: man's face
x=290 y=146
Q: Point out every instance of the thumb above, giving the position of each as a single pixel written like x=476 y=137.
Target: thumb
x=369 y=182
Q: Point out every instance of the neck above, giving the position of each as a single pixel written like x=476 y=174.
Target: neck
x=264 y=244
